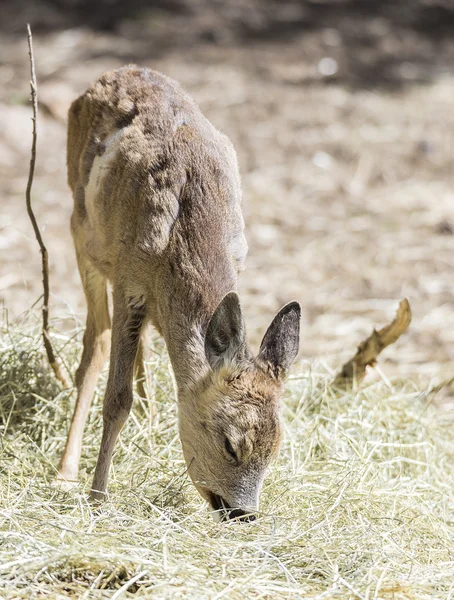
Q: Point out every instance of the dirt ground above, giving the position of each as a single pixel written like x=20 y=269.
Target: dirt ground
x=342 y=116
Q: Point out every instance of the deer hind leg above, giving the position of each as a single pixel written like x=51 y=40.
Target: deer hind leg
x=128 y=319
x=139 y=369
x=96 y=345
x=147 y=408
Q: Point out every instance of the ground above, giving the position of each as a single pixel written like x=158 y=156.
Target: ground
x=358 y=504
x=341 y=114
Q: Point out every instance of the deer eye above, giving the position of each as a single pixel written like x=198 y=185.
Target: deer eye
x=229 y=449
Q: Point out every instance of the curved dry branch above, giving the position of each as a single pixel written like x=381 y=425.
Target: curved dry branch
x=45 y=266
x=370 y=348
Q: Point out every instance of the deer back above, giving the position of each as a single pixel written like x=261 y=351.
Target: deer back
x=156 y=191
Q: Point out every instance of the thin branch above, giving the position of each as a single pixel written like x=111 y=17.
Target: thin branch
x=45 y=263
x=370 y=348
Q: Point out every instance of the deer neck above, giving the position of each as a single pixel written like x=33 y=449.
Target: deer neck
x=185 y=345
x=184 y=331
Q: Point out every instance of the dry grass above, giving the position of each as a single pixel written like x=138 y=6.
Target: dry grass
x=359 y=505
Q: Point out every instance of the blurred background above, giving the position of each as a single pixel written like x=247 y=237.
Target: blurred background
x=342 y=115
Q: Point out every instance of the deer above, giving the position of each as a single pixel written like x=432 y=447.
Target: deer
x=157 y=214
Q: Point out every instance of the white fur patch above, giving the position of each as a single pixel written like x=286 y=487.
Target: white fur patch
x=239 y=249
x=217 y=516
x=101 y=165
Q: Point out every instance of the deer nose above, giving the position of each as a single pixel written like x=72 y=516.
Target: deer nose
x=227 y=512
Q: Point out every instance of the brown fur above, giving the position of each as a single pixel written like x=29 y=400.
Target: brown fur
x=157 y=212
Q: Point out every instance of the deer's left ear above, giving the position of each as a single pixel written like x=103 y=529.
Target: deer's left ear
x=225 y=336
x=280 y=343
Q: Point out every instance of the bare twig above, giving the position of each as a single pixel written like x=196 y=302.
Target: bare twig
x=45 y=266
x=370 y=348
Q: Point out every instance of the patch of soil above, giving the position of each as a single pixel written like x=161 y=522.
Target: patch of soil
x=341 y=114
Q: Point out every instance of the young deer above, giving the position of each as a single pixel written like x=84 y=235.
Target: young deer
x=157 y=213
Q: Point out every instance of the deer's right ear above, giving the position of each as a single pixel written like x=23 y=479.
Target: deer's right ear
x=280 y=344
x=225 y=336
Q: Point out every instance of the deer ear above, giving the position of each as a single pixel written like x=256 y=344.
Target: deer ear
x=225 y=335
x=280 y=343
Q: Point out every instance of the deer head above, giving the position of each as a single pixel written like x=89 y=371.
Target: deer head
x=229 y=420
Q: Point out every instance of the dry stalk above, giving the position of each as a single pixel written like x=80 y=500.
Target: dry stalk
x=370 y=348
x=45 y=262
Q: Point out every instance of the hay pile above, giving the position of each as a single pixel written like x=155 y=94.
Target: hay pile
x=359 y=505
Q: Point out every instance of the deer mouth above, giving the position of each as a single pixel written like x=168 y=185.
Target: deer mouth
x=226 y=512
